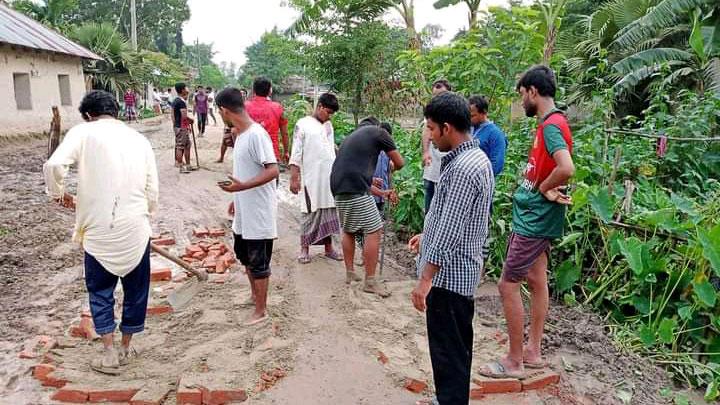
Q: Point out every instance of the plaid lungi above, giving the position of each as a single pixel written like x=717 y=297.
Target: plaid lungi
x=318 y=226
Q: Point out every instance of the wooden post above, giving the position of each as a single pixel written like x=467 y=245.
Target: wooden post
x=55 y=130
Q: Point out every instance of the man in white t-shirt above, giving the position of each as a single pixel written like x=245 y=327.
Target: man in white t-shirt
x=211 y=104
x=432 y=157
x=254 y=203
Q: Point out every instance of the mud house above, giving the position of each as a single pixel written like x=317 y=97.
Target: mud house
x=39 y=68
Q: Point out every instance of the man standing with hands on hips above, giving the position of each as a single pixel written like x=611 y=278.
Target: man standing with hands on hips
x=450 y=262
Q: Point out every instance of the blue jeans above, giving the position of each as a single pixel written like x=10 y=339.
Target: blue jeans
x=429 y=194
x=101 y=286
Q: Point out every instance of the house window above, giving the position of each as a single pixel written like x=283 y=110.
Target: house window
x=64 y=83
x=23 y=99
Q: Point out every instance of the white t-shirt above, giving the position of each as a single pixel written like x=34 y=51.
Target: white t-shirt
x=256 y=208
x=116 y=193
x=211 y=100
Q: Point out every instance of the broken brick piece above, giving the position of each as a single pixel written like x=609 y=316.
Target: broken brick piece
x=167 y=241
x=163 y=274
x=111 y=395
x=72 y=395
x=208 y=263
x=217 y=232
x=188 y=396
x=192 y=249
x=159 y=310
x=540 y=381
x=41 y=371
x=415 y=386
x=476 y=394
x=200 y=232
x=497 y=385
x=53 y=381
x=199 y=255
x=219 y=397
x=220 y=267
x=382 y=358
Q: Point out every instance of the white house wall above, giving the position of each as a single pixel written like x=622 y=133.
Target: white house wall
x=44 y=68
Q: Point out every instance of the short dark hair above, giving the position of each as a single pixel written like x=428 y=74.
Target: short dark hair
x=230 y=98
x=154 y=88
x=480 y=102
x=444 y=83
x=97 y=103
x=541 y=77
x=208 y=88
x=328 y=100
x=262 y=86
x=387 y=127
x=369 y=121
x=450 y=108
x=179 y=87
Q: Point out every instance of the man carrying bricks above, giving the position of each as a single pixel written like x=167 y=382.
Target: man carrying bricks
x=450 y=262
x=117 y=192
x=254 y=203
x=539 y=206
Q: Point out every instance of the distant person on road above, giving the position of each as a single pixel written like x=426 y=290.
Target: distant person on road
x=201 y=109
x=228 y=141
x=130 y=103
x=270 y=115
x=254 y=205
x=350 y=183
x=539 y=206
x=211 y=104
x=450 y=262
x=181 y=125
x=313 y=154
x=157 y=100
x=432 y=157
x=117 y=193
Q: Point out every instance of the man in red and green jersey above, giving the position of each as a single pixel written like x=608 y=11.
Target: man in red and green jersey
x=539 y=206
x=270 y=115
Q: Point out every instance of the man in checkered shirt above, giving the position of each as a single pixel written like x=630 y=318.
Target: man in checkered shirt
x=451 y=262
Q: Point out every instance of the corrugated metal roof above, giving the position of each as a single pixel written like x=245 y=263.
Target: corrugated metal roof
x=19 y=29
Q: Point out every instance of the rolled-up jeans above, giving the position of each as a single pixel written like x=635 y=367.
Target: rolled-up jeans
x=101 y=287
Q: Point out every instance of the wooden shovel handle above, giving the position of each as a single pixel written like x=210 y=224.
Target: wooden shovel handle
x=201 y=275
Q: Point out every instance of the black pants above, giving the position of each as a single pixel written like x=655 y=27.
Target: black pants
x=450 y=335
x=202 y=121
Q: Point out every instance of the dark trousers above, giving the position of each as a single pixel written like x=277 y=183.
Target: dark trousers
x=101 y=286
x=450 y=335
x=202 y=122
x=429 y=194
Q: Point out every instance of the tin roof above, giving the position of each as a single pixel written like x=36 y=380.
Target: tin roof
x=19 y=29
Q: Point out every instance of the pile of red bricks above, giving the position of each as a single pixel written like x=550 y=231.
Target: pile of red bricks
x=163 y=239
x=213 y=256
x=269 y=379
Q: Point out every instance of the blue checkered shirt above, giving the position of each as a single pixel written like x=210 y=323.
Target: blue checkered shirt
x=456 y=225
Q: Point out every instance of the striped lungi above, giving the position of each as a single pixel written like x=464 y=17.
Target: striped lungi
x=318 y=226
x=358 y=214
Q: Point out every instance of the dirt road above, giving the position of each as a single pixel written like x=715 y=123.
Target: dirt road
x=325 y=340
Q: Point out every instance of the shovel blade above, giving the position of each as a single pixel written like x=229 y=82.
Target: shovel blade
x=179 y=298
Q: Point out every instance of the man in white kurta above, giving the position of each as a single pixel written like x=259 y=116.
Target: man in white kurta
x=117 y=191
x=313 y=154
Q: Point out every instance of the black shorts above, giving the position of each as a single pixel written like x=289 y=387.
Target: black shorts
x=255 y=254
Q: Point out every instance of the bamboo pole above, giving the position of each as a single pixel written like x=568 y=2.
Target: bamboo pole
x=654 y=136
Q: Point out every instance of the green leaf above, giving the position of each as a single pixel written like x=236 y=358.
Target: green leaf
x=602 y=205
x=641 y=303
x=634 y=251
x=681 y=399
x=706 y=293
x=710 y=241
x=696 y=37
x=571 y=238
x=685 y=312
x=666 y=330
x=647 y=335
x=566 y=275
x=683 y=204
x=713 y=391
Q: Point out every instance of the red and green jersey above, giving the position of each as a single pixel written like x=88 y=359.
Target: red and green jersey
x=533 y=215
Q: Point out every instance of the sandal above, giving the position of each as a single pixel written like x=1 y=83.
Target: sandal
x=496 y=369
x=304 y=259
x=126 y=356
x=333 y=255
x=536 y=365
x=107 y=363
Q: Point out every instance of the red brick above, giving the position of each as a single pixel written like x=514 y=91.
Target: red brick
x=217 y=232
x=229 y=258
x=149 y=397
x=199 y=255
x=382 y=358
x=205 y=246
x=192 y=249
x=200 y=232
x=163 y=274
x=52 y=381
x=159 y=310
x=476 y=394
x=77 y=396
x=415 y=386
x=41 y=371
x=540 y=381
x=188 y=396
x=213 y=254
x=168 y=241
x=182 y=277
x=219 y=397
x=497 y=385
x=220 y=267
x=112 y=395
x=208 y=263
x=48 y=359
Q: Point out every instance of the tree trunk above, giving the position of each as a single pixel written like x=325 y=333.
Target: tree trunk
x=549 y=48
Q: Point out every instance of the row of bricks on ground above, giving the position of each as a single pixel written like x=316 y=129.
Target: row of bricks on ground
x=212 y=255
x=134 y=393
x=166 y=239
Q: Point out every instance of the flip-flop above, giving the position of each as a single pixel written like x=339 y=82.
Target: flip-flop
x=334 y=256
x=497 y=370
x=96 y=365
x=257 y=321
x=304 y=259
x=536 y=365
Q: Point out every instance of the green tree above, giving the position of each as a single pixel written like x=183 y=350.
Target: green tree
x=58 y=14
x=110 y=73
x=473 y=8
x=275 y=56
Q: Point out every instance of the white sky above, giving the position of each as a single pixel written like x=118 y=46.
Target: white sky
x=233 y=25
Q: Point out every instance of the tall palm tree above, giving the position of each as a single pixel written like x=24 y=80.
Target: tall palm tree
x=112 y=72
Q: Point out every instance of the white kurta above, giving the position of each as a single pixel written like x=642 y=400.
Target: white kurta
x=116 y=193
x=313 y=151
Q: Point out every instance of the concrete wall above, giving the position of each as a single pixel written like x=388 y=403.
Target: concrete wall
x=43 y=68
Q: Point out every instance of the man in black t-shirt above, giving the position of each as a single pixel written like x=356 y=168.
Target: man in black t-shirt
x=350 y=182
x=181 y=125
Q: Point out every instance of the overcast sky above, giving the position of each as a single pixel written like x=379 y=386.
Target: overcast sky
x=233 y=25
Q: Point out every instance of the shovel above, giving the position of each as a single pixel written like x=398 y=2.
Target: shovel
x=180 y=297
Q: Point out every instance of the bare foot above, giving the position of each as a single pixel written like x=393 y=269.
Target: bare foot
x=256 y=318
x=219 y=161
x=533 y=359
